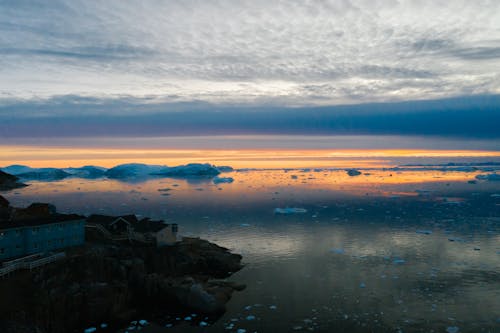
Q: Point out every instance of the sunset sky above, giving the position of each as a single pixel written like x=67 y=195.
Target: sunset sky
x=163 y=68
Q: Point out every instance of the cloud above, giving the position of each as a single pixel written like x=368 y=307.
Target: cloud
x=128 y=116
x=314 y=52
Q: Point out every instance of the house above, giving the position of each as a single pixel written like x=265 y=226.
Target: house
x=38 y=229
x=128 y=227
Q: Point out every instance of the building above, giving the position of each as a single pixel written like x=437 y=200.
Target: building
x=29 y=236
x=128 y=227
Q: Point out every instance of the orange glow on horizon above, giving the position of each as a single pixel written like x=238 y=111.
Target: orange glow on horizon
x=242 y=158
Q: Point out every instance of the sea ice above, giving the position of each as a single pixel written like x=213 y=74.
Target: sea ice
x=452 y=329
x=290 y=210
x=250 y=317
x=90 y=330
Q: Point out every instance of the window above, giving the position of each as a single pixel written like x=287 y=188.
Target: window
x=35 y=230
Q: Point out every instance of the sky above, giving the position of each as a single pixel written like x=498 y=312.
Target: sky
x=76 y=68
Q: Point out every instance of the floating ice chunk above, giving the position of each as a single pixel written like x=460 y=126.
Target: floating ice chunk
x=250 y=317
x=452 y=329
x=104 y=325
x=489 y=177
x=245 y=225
x=290 y=210
x=425 y=232
x=362 y=285
x=188 y=318
x=90 y=330
x=337 y=251
x=353 y=172
x=398 y=261
x=218 y=180
x=241 y=330
x=273 y=307
x=143 y=322
x=203 y=323
x=455 y=239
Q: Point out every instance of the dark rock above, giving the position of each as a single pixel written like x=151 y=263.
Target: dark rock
x=9 y=182
x=116 y=284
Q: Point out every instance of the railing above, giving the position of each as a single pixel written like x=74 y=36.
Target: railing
x=44 y=261
x=23 y=263
x=124 y=236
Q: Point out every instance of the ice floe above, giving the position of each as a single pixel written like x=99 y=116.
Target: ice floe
x=290 y=210
x=424 y=232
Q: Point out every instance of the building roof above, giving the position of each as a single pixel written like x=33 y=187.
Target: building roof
x=4 y=202
x=147 y=225
x=106 y=220
x=56 y=218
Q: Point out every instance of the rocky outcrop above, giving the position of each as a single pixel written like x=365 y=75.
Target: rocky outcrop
x=9 y=182
x=116 y=283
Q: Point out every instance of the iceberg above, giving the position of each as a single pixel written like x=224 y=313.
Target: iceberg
x=290 y=210
x=44 y=174
x=218 y=180
x=489 y=177
x=189 y=170
x=16 y=169
x=133 y=170
x=88 y=171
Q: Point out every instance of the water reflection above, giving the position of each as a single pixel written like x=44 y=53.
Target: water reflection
x=414 y=251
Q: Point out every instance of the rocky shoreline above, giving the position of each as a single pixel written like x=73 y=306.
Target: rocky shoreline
x=9 y=182
x=113 y=283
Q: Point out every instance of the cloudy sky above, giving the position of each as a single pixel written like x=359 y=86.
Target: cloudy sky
x=122 y=57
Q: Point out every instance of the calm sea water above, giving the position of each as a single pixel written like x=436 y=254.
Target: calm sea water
x=408 y=251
